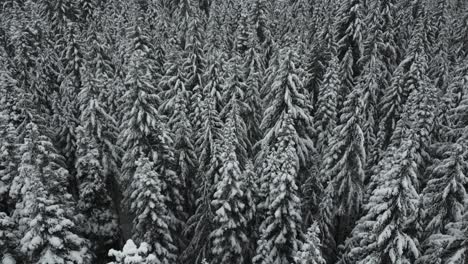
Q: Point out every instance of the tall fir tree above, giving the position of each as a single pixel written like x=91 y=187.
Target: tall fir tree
x=343 y=169
x=326 y=113
x=96 y=208
x=45 y=213
x=151 y=217
x=281 y=234
x=229 y=236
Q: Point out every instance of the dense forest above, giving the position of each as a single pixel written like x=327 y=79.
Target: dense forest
x=233 y=131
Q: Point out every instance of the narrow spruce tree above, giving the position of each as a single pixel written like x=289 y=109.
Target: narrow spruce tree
x=281 y=235
x=445 y=192
x=310 y=251
x=45 y=212
x=287 y=97
x=326 y=113
x=131 y=254
x=96 y=208
x=229 y=237
x=151 y=217
x=343 y=170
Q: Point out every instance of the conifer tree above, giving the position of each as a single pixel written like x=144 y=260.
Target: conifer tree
x=234 y=97
x=287 y=96
x=96 y=113
x=310 y=251
x=98 y=220
x=131 y=254
x=176 y=105
x=349 y=36
x=258 y=18
x=49 y=233
x=230 y=223
x=151 y=218
x=407 y=77
x=449 y=247
x=215 y=82
x=280 y=230
x=9 y=115
x=386 y=233
x=326 y=114
x=199 y=225
x=343 y=170
x=445 y=193
x=143 y=131
x=8 y=239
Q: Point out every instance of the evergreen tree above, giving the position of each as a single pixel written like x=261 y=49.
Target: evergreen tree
x=9 y=116
x=234 y=97
x=49 y=233
x=387 y=232
x=215 y=82
x=95 y=104
x=280 y=230
x=349 y=36
x=343 y=170
x=8 y=239
x=310 y=252
x=143 y=131
x=446 y=193
x=286 y=96
x=408 y=76
x=131 y=254
x=449 y=247
x=199 y=225
x=230 y=223
x=258 y=18
x=179 y=124
x=326 y=114
x=151 y=218
x=98 y=219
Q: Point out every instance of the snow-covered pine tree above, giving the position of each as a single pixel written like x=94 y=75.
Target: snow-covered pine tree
x=8 y=239
x=59 y=13
x=151 y=217
x=96 y=208
x=258 y=19
x=68 y=112
x=9 y=157
x=253 y=79
x=280 y=231
x=229 y=237
x=349 y=27
x=234 y=100
x=444 y=197
x=287 y=97
x=438 y=35
x=325 y=118
x=406 y=78
x=144 y=132
x=176 y=106
x=194 y=66
x=310 y=252
x=45 y=211
x=95 y=113
x=343 y=170
x=215 y=81
x=387 y=232
x=380 y=57
x=199 y=225
x=131 y=254
x=251 y=194
x=449 y=247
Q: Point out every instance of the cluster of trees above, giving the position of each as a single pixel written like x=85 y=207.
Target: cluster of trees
x=234 y=132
